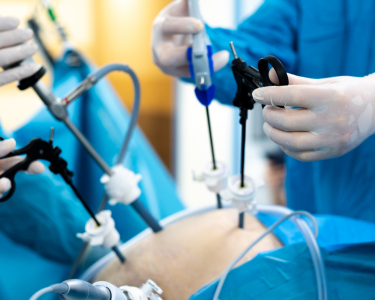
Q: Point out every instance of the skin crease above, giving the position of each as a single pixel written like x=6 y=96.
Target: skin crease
x=337 y=115
x=189 y=254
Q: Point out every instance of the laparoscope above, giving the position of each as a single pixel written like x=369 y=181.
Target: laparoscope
x=201 y=69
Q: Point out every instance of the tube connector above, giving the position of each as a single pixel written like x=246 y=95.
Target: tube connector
x=145 y=292
x=104 y=235
x=215 y=179
x=84 y=86
x=122 y=185
x=242 y=197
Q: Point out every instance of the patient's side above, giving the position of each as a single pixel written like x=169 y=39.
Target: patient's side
x=189 y=254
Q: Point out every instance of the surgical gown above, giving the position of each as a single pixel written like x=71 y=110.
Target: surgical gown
x=39 y=223
x=314 y=39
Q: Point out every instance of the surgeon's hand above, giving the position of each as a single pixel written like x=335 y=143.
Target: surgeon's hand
x=172 y=35
x=6 y=147
x=337 y=115
x=14 y=47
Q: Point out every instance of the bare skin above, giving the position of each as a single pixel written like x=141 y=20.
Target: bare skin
x=189 y=254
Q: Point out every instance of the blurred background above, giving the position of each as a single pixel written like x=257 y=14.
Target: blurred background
x=109 y=31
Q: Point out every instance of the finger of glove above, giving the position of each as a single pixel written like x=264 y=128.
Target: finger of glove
x=35 y=167
x=307 y=156
x=7 y=146
x=17 y=53
x=290 y=119
x=296 y=80
x=181 y=25
x=5 y=185
x=307 y=96
x=180 y=72
x=170 y=56
x=9 y=162
x=18 y=73
x=220 y=59
x=177 y=8
x=296 y=141
x=173 y=61
x=8 y=23
x=15 y=37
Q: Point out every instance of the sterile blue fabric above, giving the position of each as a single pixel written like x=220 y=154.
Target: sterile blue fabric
x=287 y=274
x=333 y=230
x=44 y=215
x=315 y=39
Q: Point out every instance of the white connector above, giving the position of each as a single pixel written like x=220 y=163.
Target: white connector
x=145 y=292
x=122 y=186
x=215 y=179
x=105 y=235
x=242 y=197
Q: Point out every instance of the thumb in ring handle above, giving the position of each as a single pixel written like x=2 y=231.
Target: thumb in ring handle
x=277 y=65
x=11 y=173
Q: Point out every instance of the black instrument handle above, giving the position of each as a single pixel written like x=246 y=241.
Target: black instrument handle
x=279 y=68
x=11 y=173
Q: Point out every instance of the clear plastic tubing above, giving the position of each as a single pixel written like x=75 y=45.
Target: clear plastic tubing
x=311 y=242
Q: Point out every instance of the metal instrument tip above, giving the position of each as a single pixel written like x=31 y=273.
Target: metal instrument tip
x=233 y=50
x=51 y=134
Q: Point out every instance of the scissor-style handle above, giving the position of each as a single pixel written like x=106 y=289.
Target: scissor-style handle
x=277 y=65
x=11 y=173
x=36 y=149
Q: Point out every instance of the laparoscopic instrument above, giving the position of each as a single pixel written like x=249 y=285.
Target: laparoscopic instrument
x=58 y=108
x=249 y=79
x=38 y=149
x=201 y=70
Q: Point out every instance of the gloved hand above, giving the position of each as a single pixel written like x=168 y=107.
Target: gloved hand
x=172 y=35
x=7 y=146
x=14 y=47
x=337 y=115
